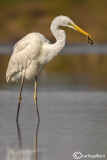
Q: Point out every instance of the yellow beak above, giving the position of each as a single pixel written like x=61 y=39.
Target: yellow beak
x=90 y=41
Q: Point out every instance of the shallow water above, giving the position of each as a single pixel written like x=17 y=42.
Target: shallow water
x=70 y=121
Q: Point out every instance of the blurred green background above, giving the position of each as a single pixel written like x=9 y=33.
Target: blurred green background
x=20 y=17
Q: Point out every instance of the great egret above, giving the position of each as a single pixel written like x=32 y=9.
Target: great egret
x=32 y=52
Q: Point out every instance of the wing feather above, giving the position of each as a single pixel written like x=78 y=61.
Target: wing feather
x=20 y=45
x=19 y=61
x=24 y=52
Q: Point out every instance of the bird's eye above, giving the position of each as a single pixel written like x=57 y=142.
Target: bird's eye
x=69 y=24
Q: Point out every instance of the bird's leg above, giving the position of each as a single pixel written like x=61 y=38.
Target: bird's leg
x=19 y=100
x=35 y=99
x=36 y=140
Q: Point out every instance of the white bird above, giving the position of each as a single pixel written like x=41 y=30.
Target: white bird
x=31 y=53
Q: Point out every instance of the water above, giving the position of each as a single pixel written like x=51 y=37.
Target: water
x=70 y=121
x=79 y=48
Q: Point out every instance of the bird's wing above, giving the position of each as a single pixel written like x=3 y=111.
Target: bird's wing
x=31 y=38
x=20 y=45
x=19 y=61
x=23 y=54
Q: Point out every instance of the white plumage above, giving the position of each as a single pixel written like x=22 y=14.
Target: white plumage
x=32 y=52
x=27 y=55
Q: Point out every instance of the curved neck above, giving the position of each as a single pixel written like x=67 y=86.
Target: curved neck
x=59 y=34
x=54 y=49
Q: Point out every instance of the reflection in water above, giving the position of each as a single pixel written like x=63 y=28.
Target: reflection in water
x=71 y=121
x=22 y=154
x=19 y=155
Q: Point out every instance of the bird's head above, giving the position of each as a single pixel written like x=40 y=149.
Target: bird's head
x=67 y=22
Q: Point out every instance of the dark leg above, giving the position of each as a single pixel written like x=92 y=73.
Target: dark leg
x=19 y=136
x=35 y=98
x=19 y=101
x=36 y=140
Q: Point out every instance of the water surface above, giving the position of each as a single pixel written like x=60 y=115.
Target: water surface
x=70 y=121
